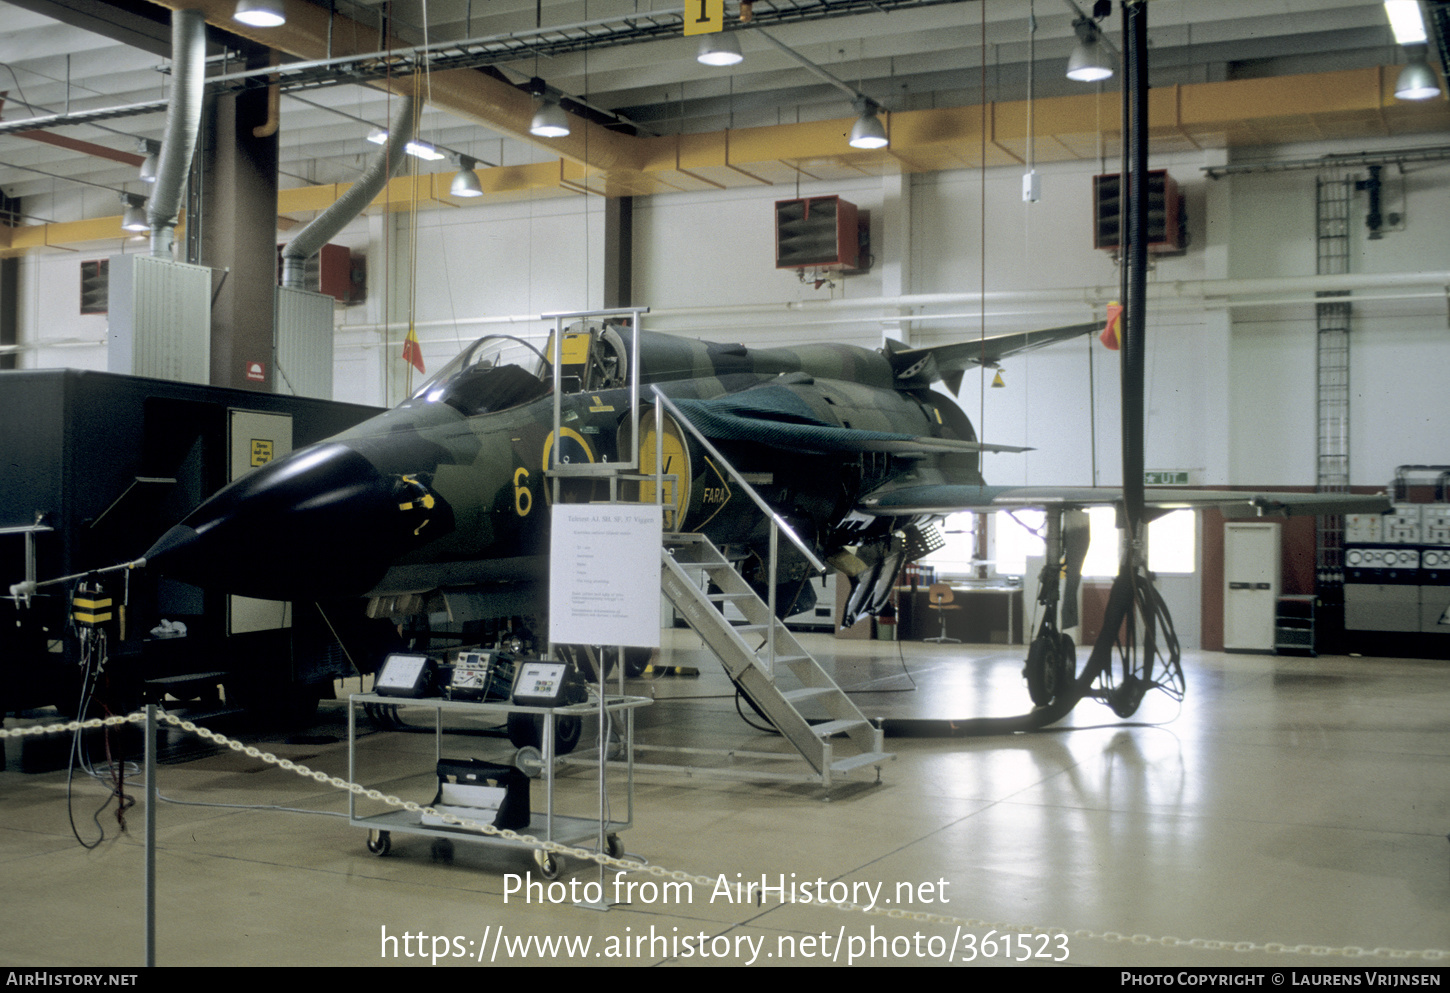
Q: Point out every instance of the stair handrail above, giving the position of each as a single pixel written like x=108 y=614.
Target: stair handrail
x=777 y=523
x=750 y=491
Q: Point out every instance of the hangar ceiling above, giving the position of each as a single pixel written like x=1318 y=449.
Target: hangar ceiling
x=84 y=81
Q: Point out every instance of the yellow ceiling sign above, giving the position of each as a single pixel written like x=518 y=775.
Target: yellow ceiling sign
x=704 y=16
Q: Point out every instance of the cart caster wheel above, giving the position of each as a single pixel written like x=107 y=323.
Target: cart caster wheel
x=529 y=761
x=613 y=847
x=379 y=842
x=549 y=864
x=442 y=850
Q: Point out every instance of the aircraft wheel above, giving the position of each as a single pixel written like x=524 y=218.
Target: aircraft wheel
x=1044 y=668
x=527 y=730
x=380 y=842
x=636 y=660
x=1067 y=665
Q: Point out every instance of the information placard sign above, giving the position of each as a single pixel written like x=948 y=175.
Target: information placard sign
x=604 y=575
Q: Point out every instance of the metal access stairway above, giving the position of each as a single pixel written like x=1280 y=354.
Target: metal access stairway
x=765 y=660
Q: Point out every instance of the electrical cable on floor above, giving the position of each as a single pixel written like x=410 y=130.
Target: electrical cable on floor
x=93 y=662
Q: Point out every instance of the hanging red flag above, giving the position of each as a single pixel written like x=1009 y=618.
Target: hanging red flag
x=1109 y=337
x=412 y=351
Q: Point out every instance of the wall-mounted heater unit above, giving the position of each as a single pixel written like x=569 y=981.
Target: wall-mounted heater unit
x=1167 y=231
x=333 y=271
x=817 y=232
x=160 y=318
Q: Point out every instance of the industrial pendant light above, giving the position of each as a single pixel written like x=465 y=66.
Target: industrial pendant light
x=549 y=121
x=720 y=49
x=260 y=13
x=152 y=151
x=867 y=132
x=1089 y=62
x=133 y=216
x=1417 y=80
x=465 y=183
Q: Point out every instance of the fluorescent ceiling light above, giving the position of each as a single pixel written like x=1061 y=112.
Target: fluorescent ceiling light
x=1406 y=21
x=260 y=13
x=422 y=149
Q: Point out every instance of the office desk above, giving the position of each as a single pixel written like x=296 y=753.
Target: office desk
x=988 y=615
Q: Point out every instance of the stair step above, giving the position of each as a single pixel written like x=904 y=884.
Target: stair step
x=718 y=597
x=857 y=761
x=808 y=693
x=791 y=659
x=836 y=727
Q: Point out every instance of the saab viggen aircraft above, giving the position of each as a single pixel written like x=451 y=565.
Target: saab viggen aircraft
x=448 y=491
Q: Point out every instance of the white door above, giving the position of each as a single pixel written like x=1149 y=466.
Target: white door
x=1251 y=586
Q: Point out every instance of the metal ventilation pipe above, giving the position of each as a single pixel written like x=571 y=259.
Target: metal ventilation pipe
x=309 y=241
x=183 y=123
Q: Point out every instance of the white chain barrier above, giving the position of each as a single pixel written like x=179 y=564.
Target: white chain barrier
x=677 y=875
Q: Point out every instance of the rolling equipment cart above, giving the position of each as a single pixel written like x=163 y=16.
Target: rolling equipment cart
x=545 y=825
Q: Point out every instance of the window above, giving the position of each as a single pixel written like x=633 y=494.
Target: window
x=1017 y=536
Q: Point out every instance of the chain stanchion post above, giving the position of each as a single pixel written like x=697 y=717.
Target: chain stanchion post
x=150 y=835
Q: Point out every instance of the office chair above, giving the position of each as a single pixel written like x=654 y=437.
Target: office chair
x=939 y=595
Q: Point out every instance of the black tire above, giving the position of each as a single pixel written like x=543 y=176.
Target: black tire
x=379 y=842
x=1067 y=665
x=1035 y=669
x=636 y=661
x=526 y=730
x=1051 y=667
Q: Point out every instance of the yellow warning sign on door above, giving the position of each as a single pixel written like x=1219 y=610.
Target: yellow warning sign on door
x=261 y=451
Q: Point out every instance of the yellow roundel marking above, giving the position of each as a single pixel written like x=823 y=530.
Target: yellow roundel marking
x=568 y=450
x=676 y=462
x=523 y=496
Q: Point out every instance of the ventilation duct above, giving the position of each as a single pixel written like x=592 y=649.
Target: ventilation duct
x=309 y=240
x=183 y=123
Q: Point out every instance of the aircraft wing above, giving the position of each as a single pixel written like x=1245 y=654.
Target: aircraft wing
x=923 y=366
x=773 y=415
x=946 y=498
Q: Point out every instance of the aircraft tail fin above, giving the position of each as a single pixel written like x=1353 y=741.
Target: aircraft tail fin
x=923 y=366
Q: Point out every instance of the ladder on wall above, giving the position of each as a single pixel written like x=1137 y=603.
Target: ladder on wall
x=1333 y=193
x=767 y=662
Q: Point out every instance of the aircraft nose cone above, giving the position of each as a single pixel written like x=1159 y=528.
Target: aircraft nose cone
x=321 y=523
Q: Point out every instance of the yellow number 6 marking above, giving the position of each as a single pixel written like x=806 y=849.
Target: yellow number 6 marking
x=523 y=498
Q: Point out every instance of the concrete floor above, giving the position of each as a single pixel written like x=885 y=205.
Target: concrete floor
x=1288 y=800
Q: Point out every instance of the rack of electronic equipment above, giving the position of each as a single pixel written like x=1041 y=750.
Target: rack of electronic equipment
x=1397 y=569
x=543 y=704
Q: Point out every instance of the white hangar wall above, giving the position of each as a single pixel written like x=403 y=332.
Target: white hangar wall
x=1230 y=391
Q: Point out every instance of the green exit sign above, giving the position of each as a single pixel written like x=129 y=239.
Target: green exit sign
x=1166 y=477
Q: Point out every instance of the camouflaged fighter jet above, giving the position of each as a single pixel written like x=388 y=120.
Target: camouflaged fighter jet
x=448 y=491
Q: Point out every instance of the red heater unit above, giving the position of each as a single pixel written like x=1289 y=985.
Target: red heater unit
x=817 y=232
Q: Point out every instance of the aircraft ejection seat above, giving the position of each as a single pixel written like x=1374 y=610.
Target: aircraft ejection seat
x=593 y=357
